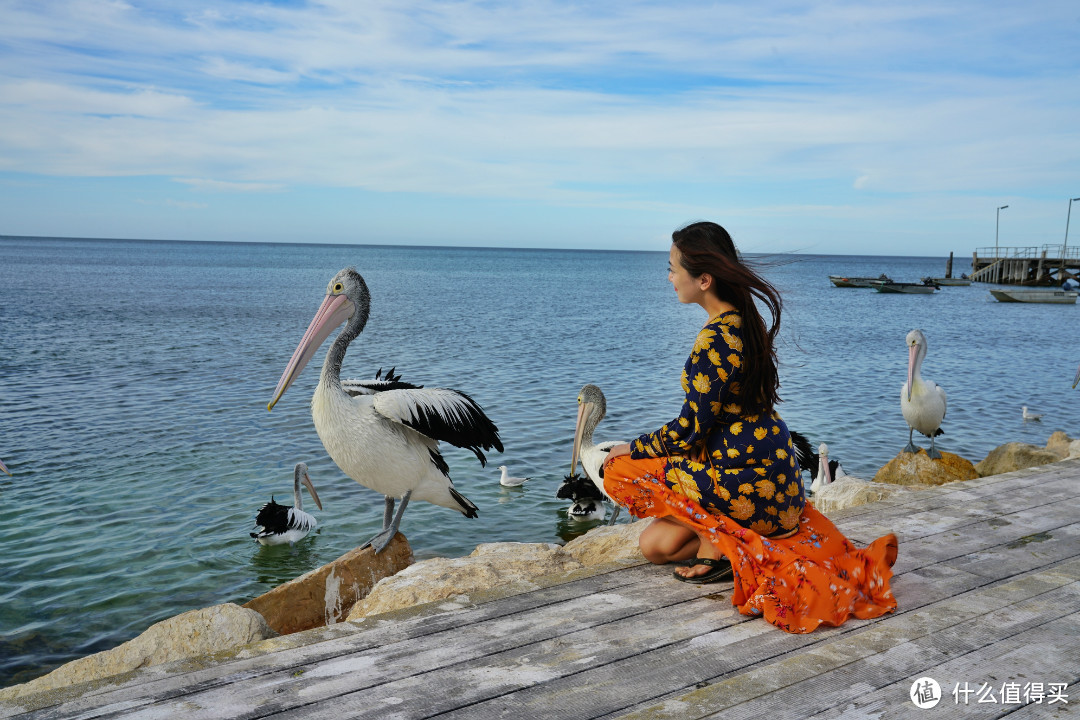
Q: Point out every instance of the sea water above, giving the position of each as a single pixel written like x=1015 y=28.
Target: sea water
x=134 y=378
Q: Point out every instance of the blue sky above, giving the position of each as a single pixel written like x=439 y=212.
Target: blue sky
x=841 y=127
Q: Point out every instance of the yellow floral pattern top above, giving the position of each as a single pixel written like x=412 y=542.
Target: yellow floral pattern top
x=733 y=463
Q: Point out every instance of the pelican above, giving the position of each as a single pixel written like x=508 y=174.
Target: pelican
x=385 y=433
x=507 y=481
x=921 y=401
x=588 y=501
x=824 y=473
x=592 y=406
x=1029 y=416
x=279 y=524
x=4 y=468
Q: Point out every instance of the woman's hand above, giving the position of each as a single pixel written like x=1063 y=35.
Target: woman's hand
x=618 y=450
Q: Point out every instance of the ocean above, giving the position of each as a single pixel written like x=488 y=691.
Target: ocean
x=134 y=378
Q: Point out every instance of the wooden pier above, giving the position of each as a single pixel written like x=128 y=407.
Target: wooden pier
x=987 y=580
x=1046 y=265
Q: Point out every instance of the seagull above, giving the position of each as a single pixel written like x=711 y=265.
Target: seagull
x=385 y=433
x=279 y=524
x=592 y=406
x=921 y=401
x=1030 y=416
x=507 y=481
x=588 y=501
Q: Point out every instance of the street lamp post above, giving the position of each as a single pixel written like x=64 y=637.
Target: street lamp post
x=1067 y=216
x=997 y=225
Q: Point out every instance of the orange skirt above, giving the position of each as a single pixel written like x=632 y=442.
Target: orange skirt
x=812 y=577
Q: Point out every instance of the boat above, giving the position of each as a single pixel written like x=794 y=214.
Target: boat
x=951 y=281
x=853 y=281
x=919 y=288
x=1036 y=295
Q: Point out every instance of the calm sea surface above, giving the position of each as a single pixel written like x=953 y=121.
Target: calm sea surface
x=134 y=378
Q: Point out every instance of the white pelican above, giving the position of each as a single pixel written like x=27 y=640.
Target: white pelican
x=279 y=524
x=507 y=481
x=1029 y=416
x=824 y=472
x=588 y=501
x=921 y=401
x=4 y=468
x=385 y=433
x=592 y=406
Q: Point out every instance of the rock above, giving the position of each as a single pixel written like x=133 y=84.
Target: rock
x=609 y=544
x=918 y=469
x=197 y=632
x=324 y=596
x=1015 y=456
x=1074 y=449
x=848 y=491
x=1059 y=444
x=506 y=566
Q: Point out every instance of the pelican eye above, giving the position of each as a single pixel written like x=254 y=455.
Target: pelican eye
x=338 y=287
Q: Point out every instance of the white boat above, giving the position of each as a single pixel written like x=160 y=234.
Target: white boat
x=1036 y=295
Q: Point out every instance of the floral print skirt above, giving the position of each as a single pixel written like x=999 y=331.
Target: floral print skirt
x=797 y=583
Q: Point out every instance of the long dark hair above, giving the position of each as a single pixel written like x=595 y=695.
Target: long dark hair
x=705 y=247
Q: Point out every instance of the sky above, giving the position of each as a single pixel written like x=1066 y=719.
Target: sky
x=834 y=127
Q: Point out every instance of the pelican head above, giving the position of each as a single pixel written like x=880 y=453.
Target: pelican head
x=300 y=476
x=591 y=410
x=345 y=295
x=823 y=464
x=916 y=343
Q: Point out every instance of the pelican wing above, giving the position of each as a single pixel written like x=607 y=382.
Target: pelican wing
x=370 y=387
x=441 y=414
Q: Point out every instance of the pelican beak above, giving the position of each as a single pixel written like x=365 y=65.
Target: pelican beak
x=311 y=489
x=582 y=412
x=8 y=472
x=826 y=471
x=912 y=353
x=335 y=309
x=1076 y=380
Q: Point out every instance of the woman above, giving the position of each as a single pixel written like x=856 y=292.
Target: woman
x=722 y=480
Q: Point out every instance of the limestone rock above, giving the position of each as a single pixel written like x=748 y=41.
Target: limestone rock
x=197 y=632
x=1015 y=456
x=1074 y=449
x=608 y=544
x=918 y=469
x=848 y=491
x=1059 y=444
x=324 y=596
x=504 y=566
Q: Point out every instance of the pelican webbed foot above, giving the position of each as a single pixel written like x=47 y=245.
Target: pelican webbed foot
x=934 y=454
x=390 y=527
x=911 y=447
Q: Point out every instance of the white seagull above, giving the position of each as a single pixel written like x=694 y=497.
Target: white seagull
x=507 y=481
x=384 y=433
x=592 y=406
x=279 y=524
x=1029 y=416
x=921 y=401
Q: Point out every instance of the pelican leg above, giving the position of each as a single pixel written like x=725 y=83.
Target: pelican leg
x=614 y=514
x=383 y=538
x=934 y=454
x=911 y=443
x=388 y=512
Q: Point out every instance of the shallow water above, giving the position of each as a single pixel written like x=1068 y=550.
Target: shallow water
x=134 y=378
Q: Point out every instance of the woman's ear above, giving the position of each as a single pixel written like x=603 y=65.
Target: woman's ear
x=706 y=281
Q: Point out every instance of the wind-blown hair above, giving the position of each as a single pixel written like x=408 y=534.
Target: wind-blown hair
x=705 y=247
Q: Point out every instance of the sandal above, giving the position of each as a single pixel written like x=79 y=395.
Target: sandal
x=721 y=570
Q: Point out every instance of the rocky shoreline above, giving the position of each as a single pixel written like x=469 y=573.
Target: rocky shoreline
x=361 y=587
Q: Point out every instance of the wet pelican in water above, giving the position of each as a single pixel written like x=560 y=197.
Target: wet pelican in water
x=279 y=524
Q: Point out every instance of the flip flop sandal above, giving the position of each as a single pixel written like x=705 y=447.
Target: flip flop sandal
x=721 y=570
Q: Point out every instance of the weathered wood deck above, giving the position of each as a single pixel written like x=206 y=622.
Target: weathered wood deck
x=988 y=583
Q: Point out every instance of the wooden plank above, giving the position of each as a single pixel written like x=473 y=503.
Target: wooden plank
x=163 y=682
x=849 y=667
